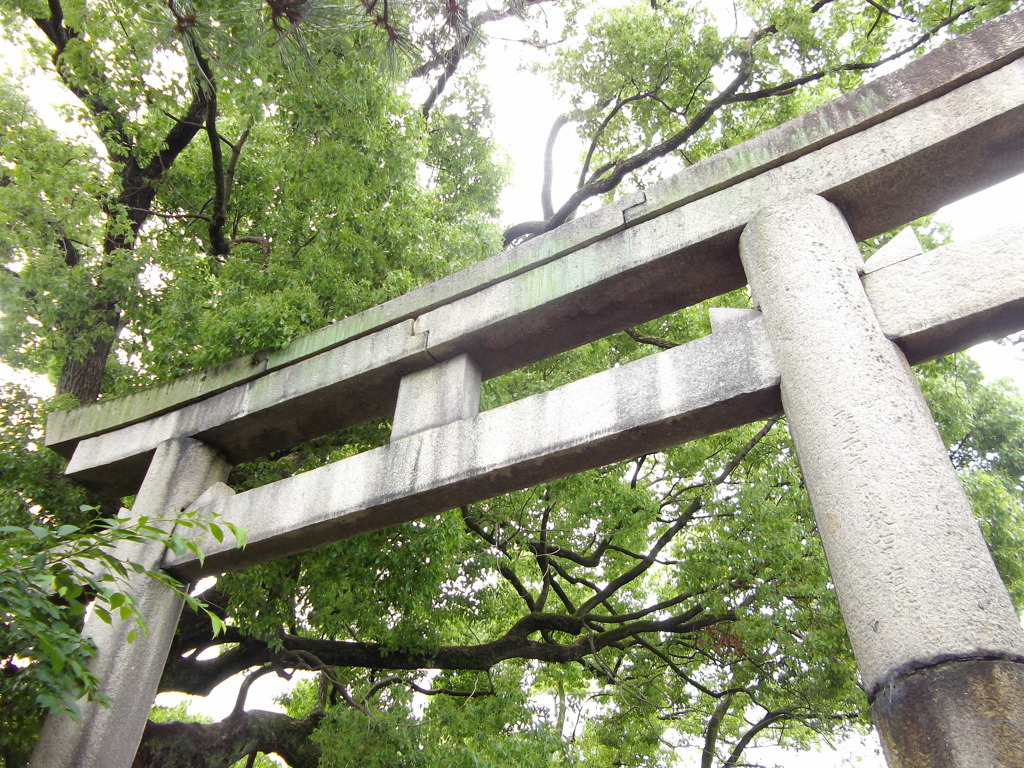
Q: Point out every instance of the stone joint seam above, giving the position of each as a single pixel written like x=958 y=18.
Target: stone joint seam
x=425 y=333
x=918 y=667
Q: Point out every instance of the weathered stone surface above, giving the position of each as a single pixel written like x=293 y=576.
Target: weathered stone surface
x=958 y=714
x=902 y=247
x=711 y=384
x=344 y=386
x=967 y=275
x=130 y=672
x=727 y=317
x=446 y=392
x=891 y=193
x=933 y=304
x=952 y=297
x=913 y=574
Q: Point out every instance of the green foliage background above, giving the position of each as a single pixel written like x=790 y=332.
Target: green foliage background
x=679 y=607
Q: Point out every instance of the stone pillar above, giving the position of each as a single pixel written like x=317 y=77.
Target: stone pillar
x=181 y=470
x=936 y=638
x=441 y=394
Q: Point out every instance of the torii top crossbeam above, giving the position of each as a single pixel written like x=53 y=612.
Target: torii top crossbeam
x=887 y=153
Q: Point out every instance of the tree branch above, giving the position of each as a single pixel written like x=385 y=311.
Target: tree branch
x=236 y=152
x=504 y=570
x=541 y=560
x=707 y=757
x=621 y=169
x=243 y=689
x=769 y=719
x=620 y=618
x=549 y=160
x=541 y=548
x=303 y=659
x=219 y=245
x=595 y=139
x=213 y=745
x=654 y=341
x=466 y=33
x=613 y=586
x=109 y=122
x=451 y=64
x=681 y=521
x=451 y=692
x=600 y=184
x=199 y=677
x=262 y=242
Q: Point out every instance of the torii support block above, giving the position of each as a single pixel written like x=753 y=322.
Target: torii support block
x=937 y=640
x=433 y=397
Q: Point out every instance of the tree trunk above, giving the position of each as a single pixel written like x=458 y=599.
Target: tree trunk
x=219 y=745
x=82 y=377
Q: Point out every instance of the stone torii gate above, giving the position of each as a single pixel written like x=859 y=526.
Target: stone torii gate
x=939 y=646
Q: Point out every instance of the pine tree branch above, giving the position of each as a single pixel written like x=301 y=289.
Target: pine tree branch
x=236 y=152
x=465 y=34
x=451 y=64
x=449 y=59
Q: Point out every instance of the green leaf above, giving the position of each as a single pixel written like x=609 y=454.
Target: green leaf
x=215 y=529
x=177 y=544
x=195 y=549
x=216 y=623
